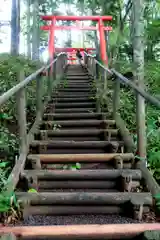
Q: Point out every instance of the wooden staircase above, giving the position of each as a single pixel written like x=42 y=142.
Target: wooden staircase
x=78 y=162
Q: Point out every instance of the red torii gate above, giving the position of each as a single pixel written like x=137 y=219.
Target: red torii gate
x=100 y=28
x=70 y=49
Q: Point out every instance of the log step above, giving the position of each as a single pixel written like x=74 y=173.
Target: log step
x=75 y=95
x=89 y=79
x=76 y=85
x=70 y=74
x=78 y=123
x=72 y=104
x=50 y=150
x=69 y=210
x=98 y=174
x=78 y=210
x=50 y=158
x=79 y=90
x=86 y=231
x=72 y=144
x=73 y=110
x=77 y=184
x=77 y=132
x=82 y=198
x=80 y=138
x=78 y=116
x=72 y=99
x=77 y=77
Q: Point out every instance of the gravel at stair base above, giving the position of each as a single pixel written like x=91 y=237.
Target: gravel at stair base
x=75 y=219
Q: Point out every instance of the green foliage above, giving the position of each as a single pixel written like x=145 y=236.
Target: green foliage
x=72 y=167
x=76 y=166
x=8 y=201
x=127 y=111
x=9 y=68
x=8 y=142
x=32 y=190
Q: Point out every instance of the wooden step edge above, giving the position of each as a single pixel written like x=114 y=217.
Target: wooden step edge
x=77 y=99
x=77 y=89
x=57 y=104
x=73 y=110
x=78 y=131
x=82 y=144
x=79 y=114
x=114 y=231
x=79 y=122
x=90 y=95
x=71 y=210
x=84 y=174
x=72 y=184
x=84 y=198
x=100 y=157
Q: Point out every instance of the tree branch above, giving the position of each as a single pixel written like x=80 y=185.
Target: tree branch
x=128 y=8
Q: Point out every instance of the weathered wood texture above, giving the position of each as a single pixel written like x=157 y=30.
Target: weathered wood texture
x=21 y=114
x=97 y=174
x=138 y=61
x=82 y=198
x=89 y=231
x=81 y=157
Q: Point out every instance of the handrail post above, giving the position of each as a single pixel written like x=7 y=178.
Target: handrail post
x=91 y=66
x=57 y=67
x=116 y=96
x=86 y=60
x=105 y=80
x=54 y=71
x=49 y=83
x=98 y=82
x=21 y=112
x=39 y=97
x=140 y=122
x=96 y=70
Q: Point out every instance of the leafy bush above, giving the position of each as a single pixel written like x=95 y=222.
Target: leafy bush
x=9 y=68
x=128 y=107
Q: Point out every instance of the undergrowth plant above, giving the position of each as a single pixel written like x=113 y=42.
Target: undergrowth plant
x=10 y=210
x=127 y=110
x=9 y=67
x=128 y=113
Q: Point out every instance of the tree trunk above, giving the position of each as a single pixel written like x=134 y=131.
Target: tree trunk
x=28 y=30
x=35 y=36
x=121 y=22
x=69 y=36
x=138 y=56
x=15 y=27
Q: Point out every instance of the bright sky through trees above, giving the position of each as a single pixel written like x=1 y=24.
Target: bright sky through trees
x=5 y=33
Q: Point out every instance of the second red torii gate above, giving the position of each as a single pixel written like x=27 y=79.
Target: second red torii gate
x=100 y=28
